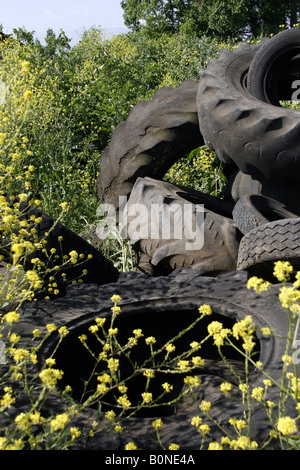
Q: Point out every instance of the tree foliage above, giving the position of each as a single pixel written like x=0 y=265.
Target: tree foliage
x=217 y=18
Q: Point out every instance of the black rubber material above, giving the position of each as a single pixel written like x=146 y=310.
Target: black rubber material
x=256 y=136
x=157 y=133
x=267 y=243
x=216 y=231
x=254 y=210
x=159 y=306
x=275 y=68
x=240 y=185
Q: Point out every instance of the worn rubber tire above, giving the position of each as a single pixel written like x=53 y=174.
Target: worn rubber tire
x=156 y=134
x=258 y=137
x=267 y=243
x=218 y=236
x=254 y=210
x=240 y=185
x=275 y=67
x=152 y=306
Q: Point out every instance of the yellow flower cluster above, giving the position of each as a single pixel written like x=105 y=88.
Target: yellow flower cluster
x=287 y=426
x=219 y=334
x=245 y=329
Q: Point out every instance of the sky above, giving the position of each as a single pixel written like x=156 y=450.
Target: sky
x=72 y=16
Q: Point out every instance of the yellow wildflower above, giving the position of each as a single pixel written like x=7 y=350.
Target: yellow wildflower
x=205 y=405
x=131 y=446
x=59 y=422
x=157 y=423
x=28 y=95
x=258 y=284
x=75 y=433
x=205 y=309
x=124 y=402
x=113 y=364
x=11 y=317
x=282 y=270
x=225 y=387
x=196 y=421
x=49 y=377
x=288 y=296
x=167 y=387
x=150 y=340
x=147 y=397
x=110 y=415
x=25 y=67
x=174 y=446
x=287 y=426
x=215 y=446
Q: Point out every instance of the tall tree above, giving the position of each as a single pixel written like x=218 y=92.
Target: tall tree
x=217 y=18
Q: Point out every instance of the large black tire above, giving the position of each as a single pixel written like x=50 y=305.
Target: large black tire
x=275 y=68
x=156 y=134
x=267 y=243
x=258 y=137
x=161 y=307
x=254 y=210
x=218 y=237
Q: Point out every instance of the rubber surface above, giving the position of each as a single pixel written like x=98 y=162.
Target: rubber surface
x=254 y=210
x=150 y=307
x=211 y=244
x=274 y=71
x=157 y=133
x=258 y=137
x=267 y=243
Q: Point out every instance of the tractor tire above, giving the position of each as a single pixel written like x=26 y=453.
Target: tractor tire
x=156 y=134
x=211 y=244
x=258 y=137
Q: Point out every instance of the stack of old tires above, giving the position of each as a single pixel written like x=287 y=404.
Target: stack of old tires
x=237 y=108
x=234 y=109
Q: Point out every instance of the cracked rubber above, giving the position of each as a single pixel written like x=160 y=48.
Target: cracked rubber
x=156 y=134
x=258 y=137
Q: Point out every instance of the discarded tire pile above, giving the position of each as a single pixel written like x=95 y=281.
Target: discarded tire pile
x=235 y=111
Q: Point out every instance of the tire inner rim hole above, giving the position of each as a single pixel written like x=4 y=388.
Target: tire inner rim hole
x=281 y=80
x=77 y=363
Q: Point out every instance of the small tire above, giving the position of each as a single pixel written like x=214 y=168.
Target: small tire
x=267 y=243
x=168 y=246
x=254 y=210
x=275 y=68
